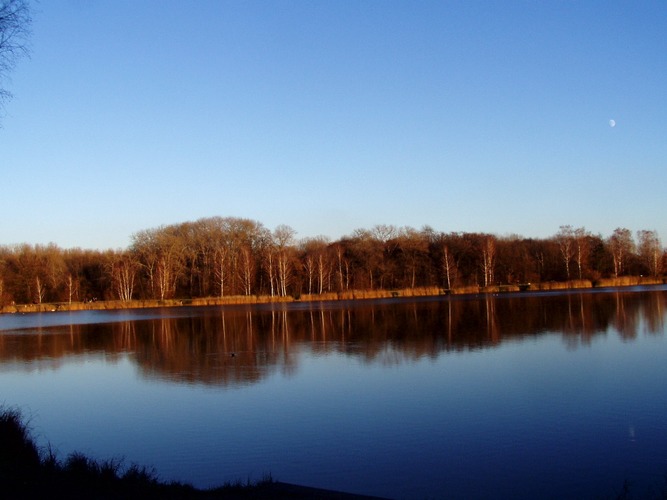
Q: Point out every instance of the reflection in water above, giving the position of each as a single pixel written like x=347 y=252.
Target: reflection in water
x=231 y=346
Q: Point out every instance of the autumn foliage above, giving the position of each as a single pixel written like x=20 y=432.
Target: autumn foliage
x=218 y=258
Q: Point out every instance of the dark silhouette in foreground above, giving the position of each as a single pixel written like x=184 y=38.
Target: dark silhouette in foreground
x=25 y=472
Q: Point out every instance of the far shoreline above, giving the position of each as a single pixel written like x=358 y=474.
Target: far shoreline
x=625 y=281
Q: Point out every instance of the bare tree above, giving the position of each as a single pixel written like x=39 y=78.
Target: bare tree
x=283 y=237
x=565 y=239
x=123 y=268
x=650 y=250
x=448 y=266
x=226 y=248
x=15 y=21
x=160 y=252
x=40 y=290
x=581 y=238
x=621 y=245
x=220 y=259
x=368 y=248
x=316 y=264
x=488 y=259
x=270 y=252
x=343 y=267
x=54 y=267
x=309 y=260
x=247 y=269
x=413 y=246
x=72 y=287
x=324 y=269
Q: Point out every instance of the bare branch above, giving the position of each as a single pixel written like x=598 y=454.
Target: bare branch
x=15 y=23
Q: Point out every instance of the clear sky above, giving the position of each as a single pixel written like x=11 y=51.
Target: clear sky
x=330 y=116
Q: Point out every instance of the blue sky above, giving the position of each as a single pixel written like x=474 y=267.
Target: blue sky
x=330 y=116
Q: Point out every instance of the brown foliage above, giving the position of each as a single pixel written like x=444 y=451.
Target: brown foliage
x=231 y=258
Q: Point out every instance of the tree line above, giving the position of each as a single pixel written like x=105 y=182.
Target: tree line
x=226 y=256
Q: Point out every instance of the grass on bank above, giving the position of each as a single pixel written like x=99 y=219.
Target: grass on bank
x=332 y=296
x=28 y=472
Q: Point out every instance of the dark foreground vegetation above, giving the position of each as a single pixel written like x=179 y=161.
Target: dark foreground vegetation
x=27 y=473
x=223 y=257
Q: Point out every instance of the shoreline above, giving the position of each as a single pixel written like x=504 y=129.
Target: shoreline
x=625 y=281
x=28 y=471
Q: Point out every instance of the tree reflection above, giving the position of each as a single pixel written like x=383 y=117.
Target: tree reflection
x=242 y=345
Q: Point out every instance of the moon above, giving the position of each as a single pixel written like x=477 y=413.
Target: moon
x=612 y=123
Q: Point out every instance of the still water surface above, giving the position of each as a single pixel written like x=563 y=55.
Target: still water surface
x=528 y=395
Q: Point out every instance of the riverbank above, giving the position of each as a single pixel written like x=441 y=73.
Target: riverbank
x=25 y=472
x=333 y=296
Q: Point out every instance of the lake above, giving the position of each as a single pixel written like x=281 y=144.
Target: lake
x=550 y=395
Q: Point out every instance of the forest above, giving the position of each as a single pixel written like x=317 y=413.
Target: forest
x=229 y=256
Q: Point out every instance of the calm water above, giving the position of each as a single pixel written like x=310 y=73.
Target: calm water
x=522 y=396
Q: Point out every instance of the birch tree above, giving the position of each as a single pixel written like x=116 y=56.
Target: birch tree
x=283 y=237
x=582 y=248
x=343 y=267
x=220 y=261
x=488 y=259
x=72 y=287
x=565 y=240
x=161 y=254
x=315 y=263
x=448 y=267
x=123 y=275
x=413 y=247
x=650 y=251
x=40 y=290
x=621 y=246
x=324 y=270
x=309 y=268
x=247 y=269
